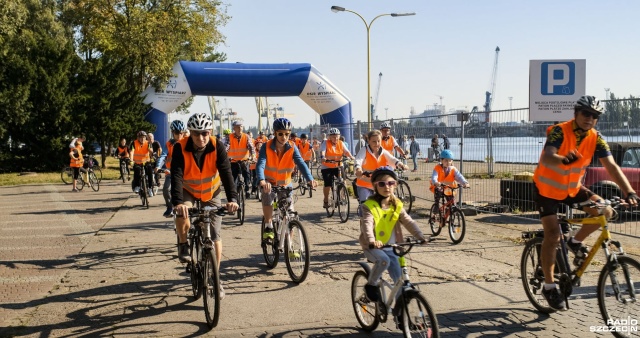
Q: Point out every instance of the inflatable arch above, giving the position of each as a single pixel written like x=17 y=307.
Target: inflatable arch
x=249 y=80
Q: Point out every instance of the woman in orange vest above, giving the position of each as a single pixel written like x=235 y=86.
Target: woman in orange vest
x=140 y=153
x=76 y=163
x=277 y=159
x=123 y=155
x=332 y=149
x=370 y=158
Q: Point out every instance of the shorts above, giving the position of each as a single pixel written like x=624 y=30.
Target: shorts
x=549 y=206
x=328 y=174
x=76 y=172
x=267 y=199
x=216 y=220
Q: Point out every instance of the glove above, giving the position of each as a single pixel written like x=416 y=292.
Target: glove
x=571 y=157
x=632 y=197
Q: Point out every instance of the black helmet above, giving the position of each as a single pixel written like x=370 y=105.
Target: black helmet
x=303 y=135
x=294 y=135
x=589 y=103
x=386 y=170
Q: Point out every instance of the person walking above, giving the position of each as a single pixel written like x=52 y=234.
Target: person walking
x=435 y=145
x=445 y=142
x=414 y=150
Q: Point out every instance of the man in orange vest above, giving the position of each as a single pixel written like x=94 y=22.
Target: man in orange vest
x=240 y=150
x=178 y=130
x=569 y=149
x=261 y=138
x=198 y=165
x=277 y=159
x=140 y=153
x=388 y=141
x=332 y=149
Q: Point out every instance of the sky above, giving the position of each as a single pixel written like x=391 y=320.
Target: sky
x=444 y=54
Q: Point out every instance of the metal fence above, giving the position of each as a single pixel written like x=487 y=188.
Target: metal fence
x=498 y=152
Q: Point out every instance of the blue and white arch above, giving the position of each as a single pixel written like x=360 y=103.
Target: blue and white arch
x=249 y=80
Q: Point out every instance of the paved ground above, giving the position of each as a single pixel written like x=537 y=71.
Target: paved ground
x=97 y=264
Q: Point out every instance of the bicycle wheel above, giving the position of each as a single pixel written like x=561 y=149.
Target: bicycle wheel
x=310 y=192
x=364 y=309
x=343 y=203
x=618 y=288
x=144 y=194
x=241 y=204
x=66 y=174
x=347 y=174
x=98 y=172
x=404 y=194
x=303 y=186
x=457 y=226
x=532 y=275
x=318 y=173
x=195 y=270
x=269 y=248
x=80 y=184
x=95 y=183
x=434 y=220
x=123 y=172
x=297 y=257
x=211 y=289
x=331 y=207
x=418 y=319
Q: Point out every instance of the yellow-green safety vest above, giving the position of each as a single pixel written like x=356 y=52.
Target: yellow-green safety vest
x=384 y=220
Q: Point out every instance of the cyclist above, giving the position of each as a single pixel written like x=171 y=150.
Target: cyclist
x=260 y=138
x=240 y=150
x=569 y=149
x=177 y=131
x=198 y=164
x=156 y=152
x=388 y=141
x=435 y=145
x=332 y=149
x=381 y=213
x=444 y=173
x=252 y=167
x=294 y=139
x=76 y=162
x=369 y=158
x=306 y=150
x=140 y=153
x=123 y=155
x=275 y=166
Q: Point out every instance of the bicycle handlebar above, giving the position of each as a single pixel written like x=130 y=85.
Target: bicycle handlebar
x=615 y=203
x=220 y=211
x=399 y=248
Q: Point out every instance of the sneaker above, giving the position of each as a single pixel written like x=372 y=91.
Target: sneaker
x=155 y=190
x=183 y=253
x=168 y=213
x=136 y=190
x=268 y=234
x=222 y=293
x=579 y=250
x=150 y=192
x=294 y=255
x=554 y=298
x=373 y=293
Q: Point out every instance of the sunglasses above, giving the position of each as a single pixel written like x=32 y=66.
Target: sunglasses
x=283 y=134
x=200 y=133
x=590 y=114
x=382 y=184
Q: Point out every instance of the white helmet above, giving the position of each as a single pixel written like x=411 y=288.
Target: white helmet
x=200 y=122
x=385 y=125
x=334 y=131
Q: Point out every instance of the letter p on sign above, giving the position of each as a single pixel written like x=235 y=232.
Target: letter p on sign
x=558 y=78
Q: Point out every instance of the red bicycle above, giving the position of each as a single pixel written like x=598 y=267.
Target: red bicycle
x=445 y=212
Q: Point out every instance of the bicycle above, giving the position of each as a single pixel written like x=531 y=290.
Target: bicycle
x=447 y=213
x=66 y=174
x=415 y=315
x=619 y=279
x=90 y=161
x=203 y=268
x=292 y=236
x=403 y=192
x=144 y=192
x=91 y=180
x=124 y=166
x=339 y=196
x=303 y=183
x=240 y=186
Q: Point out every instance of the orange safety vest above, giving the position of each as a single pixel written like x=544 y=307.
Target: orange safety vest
x=124 y=150
x=305 y=150
x=199 y=183
x=141 y=152
x=370 y=164
x=259 y=139
x=279 y=169
x=169 y=145
x=448 y=179
x=330 y=154
x=77 y=163
x=388 y=144
x=559 y=181
x=238 y=150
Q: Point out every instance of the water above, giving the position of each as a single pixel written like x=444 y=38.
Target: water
x=505 y=149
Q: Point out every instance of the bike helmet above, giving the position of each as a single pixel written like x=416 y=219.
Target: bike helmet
x=177 y=126
x=334 y=131
x=200 y=122
x=386 y=170
x=142 y=133
x=446 y=154
x=226 y=132
x=282 y=124
x=589 y=103
x=294 y=135
x=236 y=123
x=385 y=125
x=303 y=135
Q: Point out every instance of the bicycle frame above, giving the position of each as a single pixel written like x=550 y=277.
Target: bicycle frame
x=603 y=241
x=284 y=217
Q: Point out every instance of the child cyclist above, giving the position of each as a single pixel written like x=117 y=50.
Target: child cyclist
x=444 y=173
x=381 y=214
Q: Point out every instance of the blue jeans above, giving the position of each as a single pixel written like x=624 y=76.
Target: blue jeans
x=383 y=259
x=415 y=161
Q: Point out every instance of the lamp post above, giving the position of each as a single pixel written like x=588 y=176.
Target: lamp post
x=337 y=9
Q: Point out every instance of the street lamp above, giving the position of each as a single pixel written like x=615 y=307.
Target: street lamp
x=337 y=9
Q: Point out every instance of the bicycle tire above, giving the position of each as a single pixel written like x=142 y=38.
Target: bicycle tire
x=80 y=184
x=303 y=186
x=310 y=192
x=211 y=289
x=269 y=250
x=66 y=174
x=532 y=275
x=195 y=269
x=319 y=172
x=123 y=171
x=346 y=173
x=296 y=243
x=259 y=194
x=332 y=204
x=404 y=194
x=98 y=172
x=94 y=182
x=418 y=318
x=343 y=203
x=457 y=226
x=613 y=307
x=143 y=191
x=241 y=203
x=364 y=310
x=434 y=220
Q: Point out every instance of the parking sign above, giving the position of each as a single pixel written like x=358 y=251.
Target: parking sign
x=554 y=87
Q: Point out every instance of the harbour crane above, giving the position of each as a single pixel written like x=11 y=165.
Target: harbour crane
x=374 y=108
x=491 y=94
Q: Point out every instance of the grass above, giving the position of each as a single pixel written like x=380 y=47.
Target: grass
x=111 y=172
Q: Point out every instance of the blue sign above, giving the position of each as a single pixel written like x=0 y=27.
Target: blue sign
x=558 y=78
